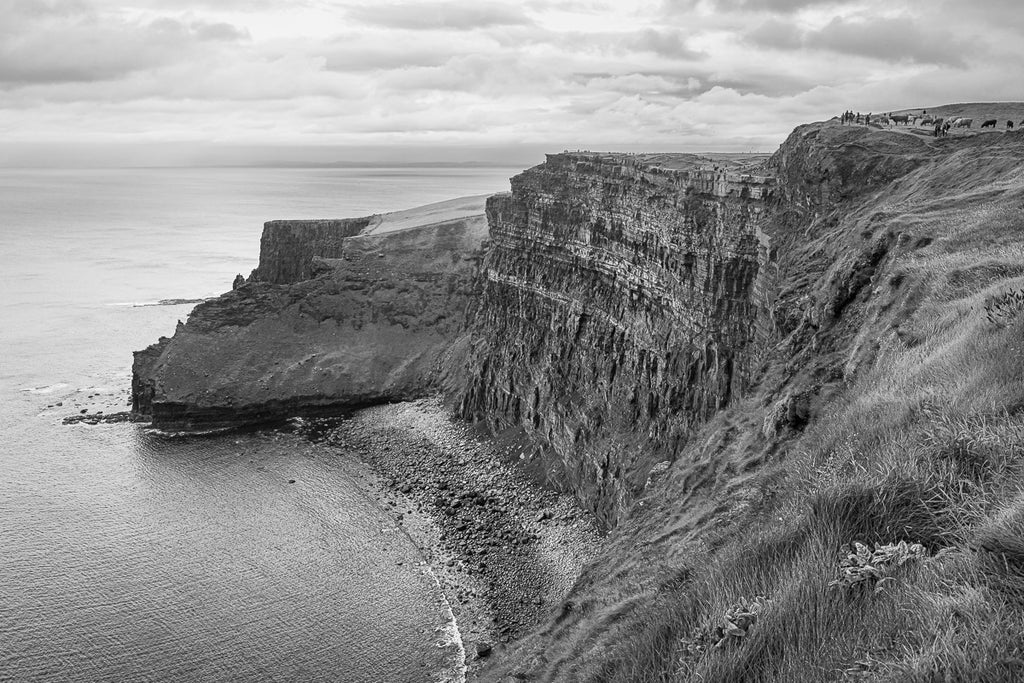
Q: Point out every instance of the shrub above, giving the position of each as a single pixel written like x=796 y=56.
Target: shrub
x=1002 y=309
x=865 y=567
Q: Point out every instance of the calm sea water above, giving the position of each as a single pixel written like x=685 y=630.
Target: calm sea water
x=130 y=556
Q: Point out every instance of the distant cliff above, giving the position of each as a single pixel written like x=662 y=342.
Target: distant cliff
x=330 y=320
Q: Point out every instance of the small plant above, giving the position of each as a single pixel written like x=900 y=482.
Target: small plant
x=734 y=625
x=1002 y=309
x=865 y=567
x=738 y=619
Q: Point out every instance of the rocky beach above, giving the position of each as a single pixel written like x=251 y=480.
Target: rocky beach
x=504 y=549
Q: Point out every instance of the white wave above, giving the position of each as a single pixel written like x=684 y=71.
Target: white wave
x=449 y=636
x=47 y=389
x=187 y=433
x=100 y=390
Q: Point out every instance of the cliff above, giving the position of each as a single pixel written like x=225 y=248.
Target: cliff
x=870 y=314
x=618 y=311
x=330 y=320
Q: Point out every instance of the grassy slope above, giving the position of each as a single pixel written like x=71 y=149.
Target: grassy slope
x=914 y=431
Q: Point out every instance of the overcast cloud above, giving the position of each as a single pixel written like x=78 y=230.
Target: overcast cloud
x=438 y=75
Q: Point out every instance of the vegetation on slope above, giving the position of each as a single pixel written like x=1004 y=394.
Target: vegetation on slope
x=890 y=411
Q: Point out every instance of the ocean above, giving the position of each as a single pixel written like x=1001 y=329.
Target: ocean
x=127 y=555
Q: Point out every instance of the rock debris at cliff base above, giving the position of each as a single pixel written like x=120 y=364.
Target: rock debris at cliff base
x=506 y=551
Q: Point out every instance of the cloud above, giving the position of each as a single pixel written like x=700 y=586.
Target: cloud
x=64 y=42
x=759 y=82
x=779 y=35
x=897 y=39
x=360 y=56
x=664 y=43
x=676 y=7
x=889 y=40
x=219 y=31
x=727 y=74
x=423 y=16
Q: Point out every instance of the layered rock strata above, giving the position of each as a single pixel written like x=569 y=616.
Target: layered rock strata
x=882 y=252
x=288 y=248
x=328 y=321
x=617 y=312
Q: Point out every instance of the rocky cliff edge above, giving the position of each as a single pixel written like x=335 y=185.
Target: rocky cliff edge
x=333 y=318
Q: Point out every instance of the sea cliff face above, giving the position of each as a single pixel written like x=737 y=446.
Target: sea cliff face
x=328 y=321
x=288 y=248
x=619 y=309
x=878 y=393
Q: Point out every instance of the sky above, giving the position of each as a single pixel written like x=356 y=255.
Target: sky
x=156 y=82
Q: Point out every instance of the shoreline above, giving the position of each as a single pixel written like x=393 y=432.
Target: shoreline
x=501 y=549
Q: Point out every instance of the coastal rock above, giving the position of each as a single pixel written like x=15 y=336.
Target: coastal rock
x=618 y=311
x=323 y=325
x=289 y=248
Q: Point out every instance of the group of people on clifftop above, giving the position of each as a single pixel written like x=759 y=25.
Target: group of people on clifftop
x=850 y=117
x=890 y=118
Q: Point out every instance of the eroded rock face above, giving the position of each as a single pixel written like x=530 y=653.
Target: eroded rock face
x=313 y=335
x=617 y=312
x=288 y=248
x=857 y=244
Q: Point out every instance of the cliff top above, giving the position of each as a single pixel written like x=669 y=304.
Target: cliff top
x=427 y=215
x=674 y=160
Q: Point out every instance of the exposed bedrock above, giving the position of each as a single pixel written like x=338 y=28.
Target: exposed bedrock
x=626 y=299
x=288 y=248
x=618 y=311
x=329 y=321
x=873 y=244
